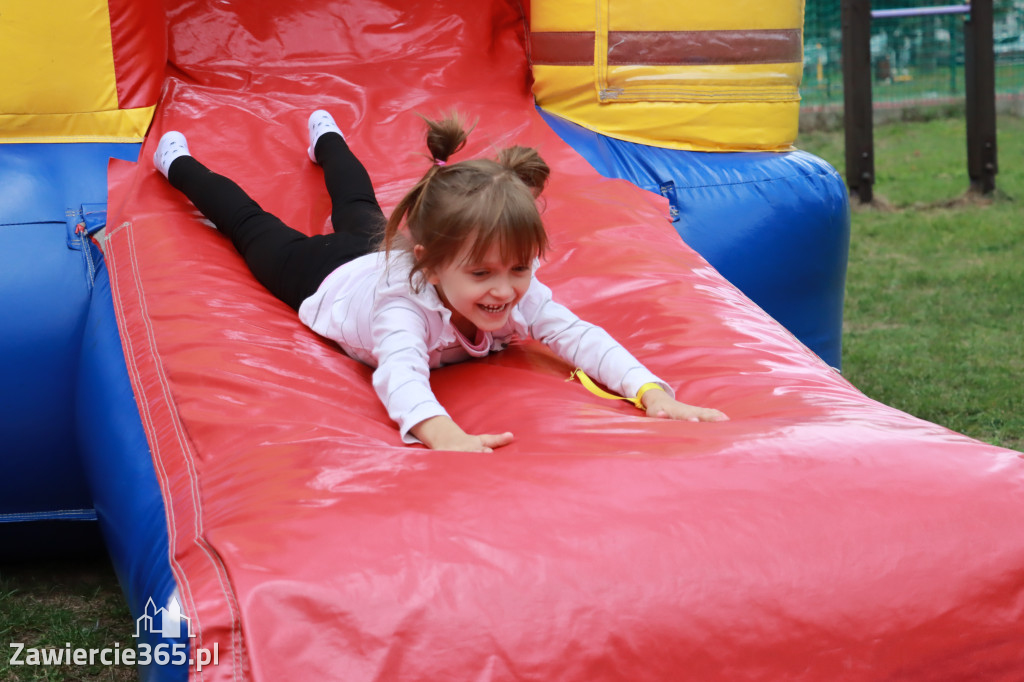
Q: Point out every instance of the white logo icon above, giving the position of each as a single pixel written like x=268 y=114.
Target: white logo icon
x=163 y=621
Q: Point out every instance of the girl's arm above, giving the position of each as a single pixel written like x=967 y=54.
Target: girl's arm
x=592 y=349
x=402 y=381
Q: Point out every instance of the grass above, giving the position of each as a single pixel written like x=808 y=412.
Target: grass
x=934 y=326
x=933 y=319
x=62 y=603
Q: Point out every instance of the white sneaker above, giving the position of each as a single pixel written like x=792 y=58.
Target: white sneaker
x=320 y=122
x=172 y=145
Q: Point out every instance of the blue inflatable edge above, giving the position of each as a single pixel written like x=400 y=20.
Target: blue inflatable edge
x=775 y=224
x=53 y=199
x=126 y=493
x=51 y=196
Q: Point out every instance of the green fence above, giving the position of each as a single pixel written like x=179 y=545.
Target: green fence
x=915 y=60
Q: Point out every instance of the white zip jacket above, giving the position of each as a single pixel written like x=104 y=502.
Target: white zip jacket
x=370 y=310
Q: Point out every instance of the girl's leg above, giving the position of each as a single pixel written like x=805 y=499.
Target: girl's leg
x=355 y=213
x=290 y=264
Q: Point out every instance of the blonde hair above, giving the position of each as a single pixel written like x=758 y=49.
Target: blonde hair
x=487 y=201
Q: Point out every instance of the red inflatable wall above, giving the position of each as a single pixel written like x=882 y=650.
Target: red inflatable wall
x=139 y=39
x=818 y=535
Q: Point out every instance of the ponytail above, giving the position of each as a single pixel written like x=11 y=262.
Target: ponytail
x=445 y=137
x=528 y=166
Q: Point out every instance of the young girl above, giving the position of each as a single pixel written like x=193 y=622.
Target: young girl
x=455 y=278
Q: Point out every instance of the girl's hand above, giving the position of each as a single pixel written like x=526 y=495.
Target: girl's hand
x=441 y=433
x=660 y=404
x=484 y=442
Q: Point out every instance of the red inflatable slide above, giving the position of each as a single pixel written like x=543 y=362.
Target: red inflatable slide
x=817 y=535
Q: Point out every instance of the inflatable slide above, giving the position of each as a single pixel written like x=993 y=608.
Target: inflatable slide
x=258 y=502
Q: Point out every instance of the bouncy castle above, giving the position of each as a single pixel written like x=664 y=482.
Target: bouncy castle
x=251 y=490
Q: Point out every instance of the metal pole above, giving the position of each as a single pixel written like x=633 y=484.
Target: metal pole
x=858 y=119
x=980 y=88
x=919 y=11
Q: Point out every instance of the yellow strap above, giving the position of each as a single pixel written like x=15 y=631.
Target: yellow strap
x=589 y=384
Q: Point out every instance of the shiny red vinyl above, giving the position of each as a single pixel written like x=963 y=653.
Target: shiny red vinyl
x=817 y=535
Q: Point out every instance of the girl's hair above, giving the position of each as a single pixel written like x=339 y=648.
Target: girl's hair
x=484 y=201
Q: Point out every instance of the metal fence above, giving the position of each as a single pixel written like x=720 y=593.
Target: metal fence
x=915 y=60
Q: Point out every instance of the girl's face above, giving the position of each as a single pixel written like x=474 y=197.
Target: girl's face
x=480 y=294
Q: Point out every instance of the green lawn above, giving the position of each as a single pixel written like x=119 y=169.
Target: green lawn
x=60 y=604
x=934 y=319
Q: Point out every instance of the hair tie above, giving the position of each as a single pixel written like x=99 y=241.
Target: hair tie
x=439 y=162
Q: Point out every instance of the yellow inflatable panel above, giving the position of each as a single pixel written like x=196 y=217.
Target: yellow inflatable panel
x=59 y=70
x=119 y=125
x=719 y=76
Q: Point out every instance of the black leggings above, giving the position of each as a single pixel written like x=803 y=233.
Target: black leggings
x=290 y=264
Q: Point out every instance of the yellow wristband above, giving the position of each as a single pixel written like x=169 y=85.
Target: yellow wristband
x=589 y=384
x=640 y=394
